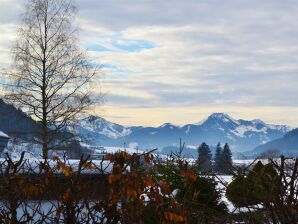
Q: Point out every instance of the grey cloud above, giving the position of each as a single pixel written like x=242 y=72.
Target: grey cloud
x=119 y=15
x=220 y=52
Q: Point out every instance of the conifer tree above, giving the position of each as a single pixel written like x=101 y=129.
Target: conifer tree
x=204 y=160
x=217 y=158
x=226 y=159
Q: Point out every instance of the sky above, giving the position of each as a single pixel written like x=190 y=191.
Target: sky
x=179 y=61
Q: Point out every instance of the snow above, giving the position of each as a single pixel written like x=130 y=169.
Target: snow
x=32 y=165
x=2 y=134
x=14 y=149
x=133 y=148
x=258 y=121
x=188 y=129
x=171 y=126
x=113 y=133
x=283 y=128
x=221 y=129
x=230 y=137
x=224 y=117
x=249 y=161
x=223 y=181
x=241 y=130
x=191 y=146
x=101 y=126
x=112 y=150
x=201 y=122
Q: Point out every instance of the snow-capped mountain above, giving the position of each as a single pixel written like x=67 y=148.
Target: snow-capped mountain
x=103 y=127
x=241 y=134
x=95 y=129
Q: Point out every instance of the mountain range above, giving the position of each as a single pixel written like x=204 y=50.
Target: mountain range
x=241 y=135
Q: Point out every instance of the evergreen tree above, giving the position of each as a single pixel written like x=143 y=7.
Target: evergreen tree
x=226 y=159
x=217 y=158
x=204 y=160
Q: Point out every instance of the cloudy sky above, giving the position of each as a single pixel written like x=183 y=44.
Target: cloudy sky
x=178 y=61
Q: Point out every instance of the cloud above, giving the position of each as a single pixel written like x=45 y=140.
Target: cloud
x=223 y=55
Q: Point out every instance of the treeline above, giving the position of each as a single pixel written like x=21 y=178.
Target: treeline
x=222 y=164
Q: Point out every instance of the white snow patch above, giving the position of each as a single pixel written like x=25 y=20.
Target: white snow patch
x=201 y=122
x=188 y=129
x=2 y=134
x=32 y=165
x=191 y=147
x=241 y=130
x=101 y=126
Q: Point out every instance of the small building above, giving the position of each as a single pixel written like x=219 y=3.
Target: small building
x=3 y=141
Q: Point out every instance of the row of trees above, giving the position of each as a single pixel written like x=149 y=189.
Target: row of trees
x=222 y=160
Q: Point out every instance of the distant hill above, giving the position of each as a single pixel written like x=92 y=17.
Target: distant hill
x=242 y=135
x=287 y=145
x=16 y=123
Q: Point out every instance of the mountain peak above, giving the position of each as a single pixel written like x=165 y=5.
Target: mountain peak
x=99 y=126
x=221 y=117
x=166 y=125
x=258 y=121
x=92 y=118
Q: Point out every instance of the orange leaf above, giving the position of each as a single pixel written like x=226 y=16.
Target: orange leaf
x=164 y=187
x=146 y=159
x=107 y=157
x=149 y=181
x=190 y=175
x=170 y=216
x=66 y=196
x=132 y=194
x=112 y=178
x=88 y=166
x=67 y=171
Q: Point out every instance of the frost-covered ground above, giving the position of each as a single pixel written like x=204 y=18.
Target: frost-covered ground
x=15 y=148
x=223 y=182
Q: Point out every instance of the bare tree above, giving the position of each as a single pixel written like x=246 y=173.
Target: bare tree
x=51 y=75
